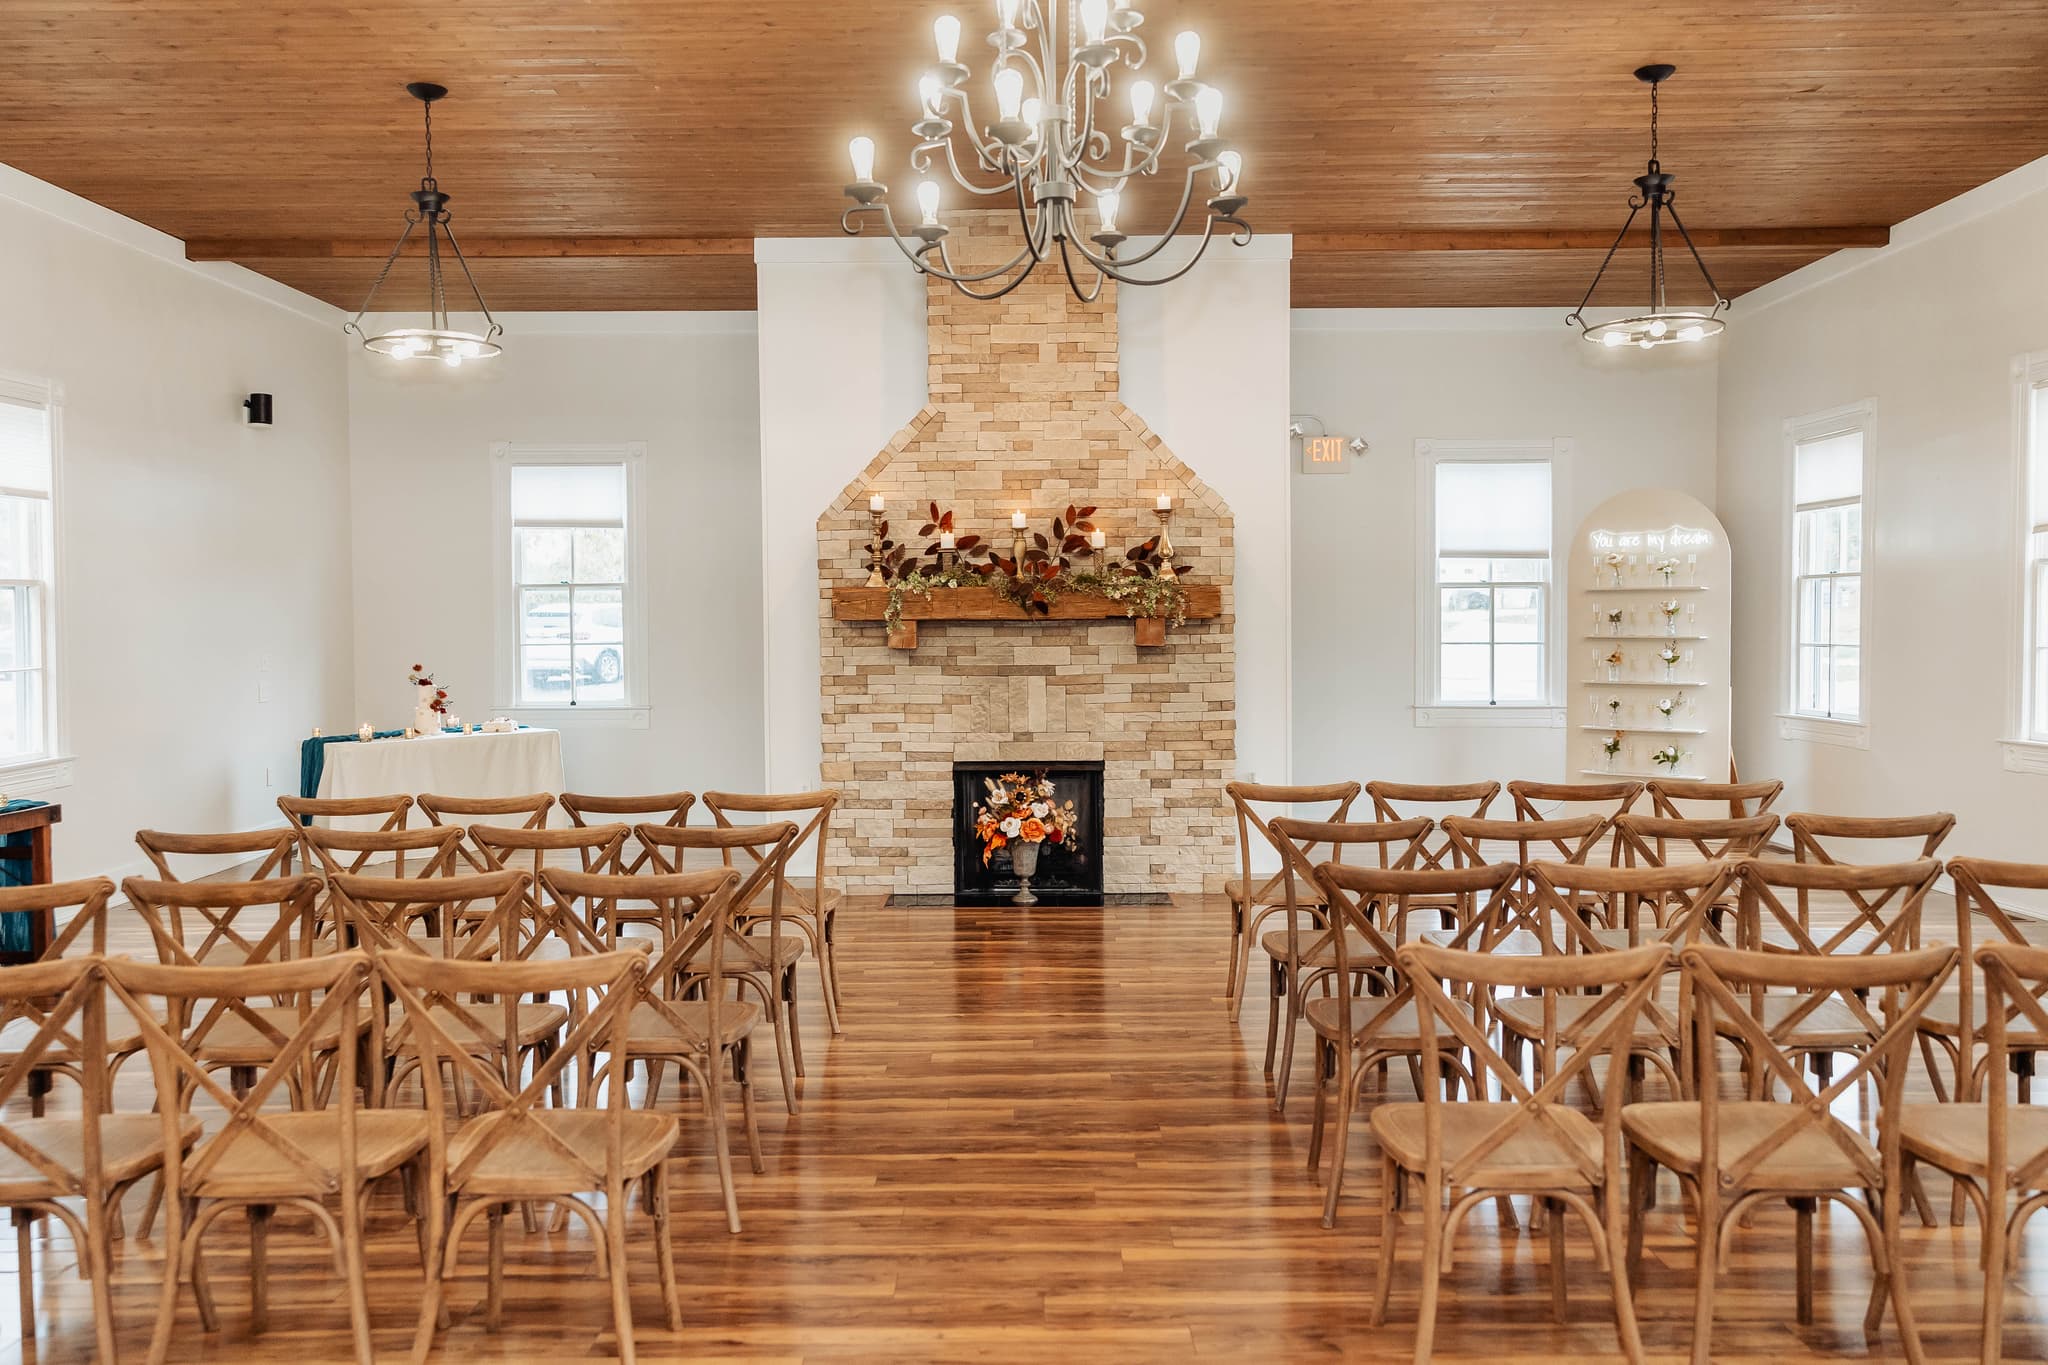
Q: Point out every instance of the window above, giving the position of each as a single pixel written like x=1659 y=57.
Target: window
x=572 y=597
x=27 y=573
x=1491 y=566
x=1827 y=566
x=2034 y=534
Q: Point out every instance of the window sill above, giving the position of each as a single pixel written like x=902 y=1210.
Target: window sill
x=1496 y=717
x=1844 y=734
x=591 y=717
x=35 y=775
x=2025 y=756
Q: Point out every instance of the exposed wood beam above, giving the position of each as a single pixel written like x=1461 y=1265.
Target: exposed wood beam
x=476 y=248
x=1580 y=239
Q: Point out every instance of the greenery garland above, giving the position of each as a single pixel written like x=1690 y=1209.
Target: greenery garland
x=1137 y=594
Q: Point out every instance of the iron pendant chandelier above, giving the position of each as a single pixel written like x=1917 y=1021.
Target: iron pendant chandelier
x=1051 y=142
x=1661 y=325
x=437 y=340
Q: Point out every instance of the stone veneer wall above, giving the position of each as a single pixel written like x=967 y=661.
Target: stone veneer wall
x=1023 y=414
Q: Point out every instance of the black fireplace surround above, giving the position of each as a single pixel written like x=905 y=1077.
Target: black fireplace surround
x=1066 y=875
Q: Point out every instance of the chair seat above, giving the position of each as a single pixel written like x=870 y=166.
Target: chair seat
x=766 y=952
x=651 y=1031
x=1832 y=1024
x=520 y=1163
x=1402 y=1029
x=1957 y=1137
x=531 y=1022
x=1522 y=1015
x=131 y=1145
x=1305 y=892
x=1944 y=1015
x=252 y=1168
x=234 y=1040
x=1669 y=1130
x=1776 y=938
x=1535 y=1156
x=1360 y=953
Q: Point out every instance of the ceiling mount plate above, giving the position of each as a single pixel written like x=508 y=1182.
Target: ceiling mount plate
x=426 y=92
x=1655 y=72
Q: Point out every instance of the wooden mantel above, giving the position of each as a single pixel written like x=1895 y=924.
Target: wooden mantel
x=1204 y=602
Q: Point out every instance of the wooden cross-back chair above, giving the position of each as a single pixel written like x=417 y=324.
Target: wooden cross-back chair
x=591 y=848
x=1672 y=901
x=762 y=963
x=519 y=1150
x=260 y=1158
x=227 y=924
x=667 y=809
x=343 y=852
x=1303 y=953
x=1884 y=903
x=1359 y=1033
x=300 y=811
x=1256 y=897
x=1673 y=841
x=1956 y=1022
x=271 y=849
x=1478 y=842
x=812 y=906
x=1995 y=1148
x=1564 y=800
x=1736 y=1154
x=515 y=812
x=83 y=933
x=1531 y=1142
x=1824 y=840
x=53 y=1013
x=681 y=1015
x=1677 y=799
x=1402 y=800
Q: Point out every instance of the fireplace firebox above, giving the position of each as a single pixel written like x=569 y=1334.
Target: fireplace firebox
x=1067 y=874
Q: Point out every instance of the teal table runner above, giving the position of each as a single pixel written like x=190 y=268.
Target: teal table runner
x=313 y=756
x=14 y=865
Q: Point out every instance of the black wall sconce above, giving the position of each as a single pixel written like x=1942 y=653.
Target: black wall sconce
x=258 y=405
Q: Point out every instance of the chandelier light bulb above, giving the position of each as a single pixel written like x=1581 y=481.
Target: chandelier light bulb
x=946 y=35
x=452 y=360
x=1229 y=170
x=1692 y=333
x=930 y=90
x=1142 y=95
x=1657 y=327
x=1105 y=209
x=1009 y=92
x=861 y=151
x=928 y=201
x=1646 y=343
x=1613 y=339
x=1006 y=13
x=1094 y=19
x=1208 y=109
x=1031 y=112
x=1187 y=50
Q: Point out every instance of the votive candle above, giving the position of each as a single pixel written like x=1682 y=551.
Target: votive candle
x=1096 y=540
x=1165 y=503
x=945 y=540
x=875 y=502
x=1016 y=521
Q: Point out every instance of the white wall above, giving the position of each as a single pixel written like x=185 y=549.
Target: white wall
x=1204 y=361
x=199 y=561
x=1395 y=377
x=1927 y=329
x=842 y=365
x=421 y=488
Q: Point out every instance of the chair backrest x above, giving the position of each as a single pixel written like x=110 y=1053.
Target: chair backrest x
x=1393 y=844
x=1836 y=839
x=1883 y=901
x=2015 y=987
x=518 y=812
x=271 y=848
x=304 y=810
x=660 y=808
x=1980 y=885
x=56 y=1008
x=1663 y=840
x=768 y=848
x=1678 y=800
x=1258 y=804
x=231 y=924
x=83 y=931
x=1564 y=800
x=691 y=964
x=1405 y=800
x=813 y=834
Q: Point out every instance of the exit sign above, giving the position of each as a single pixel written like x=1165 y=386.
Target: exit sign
x=1325 y=455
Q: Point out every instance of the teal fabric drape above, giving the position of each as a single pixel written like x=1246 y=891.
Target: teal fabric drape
x=14 y=871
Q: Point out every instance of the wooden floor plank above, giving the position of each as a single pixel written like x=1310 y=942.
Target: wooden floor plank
x=1039 y=1139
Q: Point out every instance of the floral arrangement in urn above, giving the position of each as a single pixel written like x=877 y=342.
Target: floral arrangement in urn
x=430 y=702
x=1020 y=809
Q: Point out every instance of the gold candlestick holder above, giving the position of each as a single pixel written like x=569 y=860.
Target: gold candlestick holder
x=875 y=550
x=1165 y=515
x=1017 y=547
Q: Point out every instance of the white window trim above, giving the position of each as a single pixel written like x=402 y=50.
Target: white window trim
x=2023 y=752
x=1429 y=712
x=632 y=712
x=1794 y=724
x=52 y=768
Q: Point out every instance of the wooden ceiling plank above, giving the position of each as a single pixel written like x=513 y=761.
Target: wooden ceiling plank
x=476 y=248
x=1583 y=239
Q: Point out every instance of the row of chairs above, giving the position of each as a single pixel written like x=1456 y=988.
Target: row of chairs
x=1524 y=890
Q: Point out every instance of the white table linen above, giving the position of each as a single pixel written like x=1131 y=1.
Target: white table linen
x=515 y=764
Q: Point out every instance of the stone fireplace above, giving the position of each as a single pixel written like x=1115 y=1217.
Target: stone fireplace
x=1023 y=414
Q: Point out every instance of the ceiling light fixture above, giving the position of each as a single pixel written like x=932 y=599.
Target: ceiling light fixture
x=436 y=341
x=1046 y=147
x=1661 y=325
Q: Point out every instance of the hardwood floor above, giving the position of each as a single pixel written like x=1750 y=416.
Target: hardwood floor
x=1039 y=1139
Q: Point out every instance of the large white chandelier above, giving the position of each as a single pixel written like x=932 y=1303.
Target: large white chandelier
x=1050 y=142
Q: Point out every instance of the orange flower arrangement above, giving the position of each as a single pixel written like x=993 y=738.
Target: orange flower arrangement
x=1021 y=808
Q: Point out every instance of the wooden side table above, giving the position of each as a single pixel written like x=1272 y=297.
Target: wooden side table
x=35 y=821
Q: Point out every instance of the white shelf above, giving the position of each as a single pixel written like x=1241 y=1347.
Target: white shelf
x=1642 y=682
x=1626 y=638
x=1641 y=730
x=1649 y=587
x=1618 y=772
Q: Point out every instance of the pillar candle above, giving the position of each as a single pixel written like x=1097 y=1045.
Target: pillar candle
x=945 y=540
x=1096 y=540
x=1016 y=521
x=875 y=503
x=1165 y=502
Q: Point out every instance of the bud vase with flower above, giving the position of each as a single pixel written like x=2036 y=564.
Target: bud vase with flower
x=1670 y=655
x=1611 y=746
x=1614 y=666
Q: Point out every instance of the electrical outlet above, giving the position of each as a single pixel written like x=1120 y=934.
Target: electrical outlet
x=263 y=689
x=266 y=776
